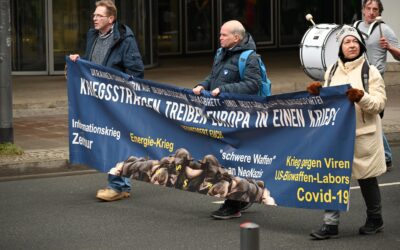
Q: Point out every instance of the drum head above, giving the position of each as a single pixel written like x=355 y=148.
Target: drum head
x=319 y=49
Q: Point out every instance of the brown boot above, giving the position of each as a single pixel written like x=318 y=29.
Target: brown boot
x=109 y=194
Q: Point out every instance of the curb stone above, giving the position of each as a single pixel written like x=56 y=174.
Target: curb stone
x=37 y=162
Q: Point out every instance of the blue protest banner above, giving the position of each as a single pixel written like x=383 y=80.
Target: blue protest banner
x=292 y=149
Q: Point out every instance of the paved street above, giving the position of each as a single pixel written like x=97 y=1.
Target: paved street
x=62 y=213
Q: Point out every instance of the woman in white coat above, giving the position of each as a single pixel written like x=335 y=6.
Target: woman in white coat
x=370 y=100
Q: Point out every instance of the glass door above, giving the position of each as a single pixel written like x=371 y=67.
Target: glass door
x=169 y=27
x=255 y=15
x=28 y=30
x=350 y=10
x=140 y=16
x=292 y=21
x=69 y=22
x=199 y=29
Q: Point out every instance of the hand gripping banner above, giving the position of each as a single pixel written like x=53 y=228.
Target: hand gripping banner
x=292 y=149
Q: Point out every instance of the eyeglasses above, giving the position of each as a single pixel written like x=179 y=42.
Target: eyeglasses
x=98 y=16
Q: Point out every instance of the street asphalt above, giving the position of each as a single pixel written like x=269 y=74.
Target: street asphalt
x=63 y=213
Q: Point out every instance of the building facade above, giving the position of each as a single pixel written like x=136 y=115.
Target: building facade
x=45 y=31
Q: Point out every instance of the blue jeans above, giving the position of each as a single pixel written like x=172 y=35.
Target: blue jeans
x=388 y=150
x=119 y=183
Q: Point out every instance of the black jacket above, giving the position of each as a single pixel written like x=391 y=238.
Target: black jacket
x=225 y=71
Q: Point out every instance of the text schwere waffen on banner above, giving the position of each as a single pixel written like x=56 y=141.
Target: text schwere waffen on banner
x=292 y=150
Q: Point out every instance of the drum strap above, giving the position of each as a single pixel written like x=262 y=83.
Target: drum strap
x=370 y=30
x=364 y=75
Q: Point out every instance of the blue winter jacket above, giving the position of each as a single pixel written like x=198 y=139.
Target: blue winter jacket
x=225 y=71
x=123 y=54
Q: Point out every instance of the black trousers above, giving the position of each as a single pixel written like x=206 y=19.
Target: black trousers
x=372 y=197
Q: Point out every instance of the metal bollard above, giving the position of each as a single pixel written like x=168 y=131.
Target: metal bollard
x=249 y=236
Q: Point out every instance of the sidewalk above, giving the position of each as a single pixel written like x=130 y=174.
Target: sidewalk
x=41 y=114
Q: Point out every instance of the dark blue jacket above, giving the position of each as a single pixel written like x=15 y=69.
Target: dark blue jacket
x=225 y=71
x=123 y=54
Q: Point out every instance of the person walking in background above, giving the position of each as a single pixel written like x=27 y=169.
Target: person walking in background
x=379 y=41
x=369 y=100
x=112 y=44
x=225 y=77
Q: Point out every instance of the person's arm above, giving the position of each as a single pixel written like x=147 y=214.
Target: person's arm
x=204 y=85
x=390 y=42
x=392 y=49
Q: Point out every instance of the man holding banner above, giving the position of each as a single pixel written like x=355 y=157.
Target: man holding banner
x=224 y=77
x=112 y=45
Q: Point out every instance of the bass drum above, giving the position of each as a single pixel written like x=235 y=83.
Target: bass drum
x=319 y=49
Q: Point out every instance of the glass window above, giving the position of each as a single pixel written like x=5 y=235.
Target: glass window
x=138 y=15
x=255 y=15
x=71 y=21
x=293 y=24
x=169 y=32
x=131 y=14
x=28 y=47
x=351 y=11
x=199 y=25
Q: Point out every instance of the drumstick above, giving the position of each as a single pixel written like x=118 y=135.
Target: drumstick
x=379 y=19
x=309 y=17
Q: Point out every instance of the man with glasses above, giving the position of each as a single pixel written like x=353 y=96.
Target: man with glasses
x=112 y=45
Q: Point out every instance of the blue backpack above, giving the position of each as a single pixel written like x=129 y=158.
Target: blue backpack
x=265 y=85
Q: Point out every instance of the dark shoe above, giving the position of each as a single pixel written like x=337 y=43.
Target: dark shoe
x=226 y=212
x=326 y=232
x=372 y=226
x=245 y=205
x=388 y=166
